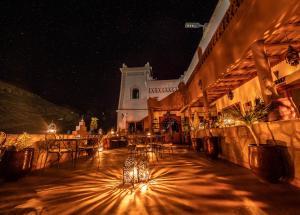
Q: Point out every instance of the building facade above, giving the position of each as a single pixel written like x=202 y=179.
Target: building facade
x=137 y=86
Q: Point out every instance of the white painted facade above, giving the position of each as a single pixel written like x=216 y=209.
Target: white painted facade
x=133 y=109
x=208 y=33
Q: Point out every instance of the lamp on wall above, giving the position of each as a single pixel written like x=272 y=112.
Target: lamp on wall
x=230 y=94
x=292 y=56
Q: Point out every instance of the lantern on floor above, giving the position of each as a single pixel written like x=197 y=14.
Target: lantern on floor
x=130 y=171
x=51 y=128
x=292 y=56
x=143 y=169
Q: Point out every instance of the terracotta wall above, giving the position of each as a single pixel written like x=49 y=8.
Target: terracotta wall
x=243 y=94
x=252 y=20
x=235 y=140
x=38 y=141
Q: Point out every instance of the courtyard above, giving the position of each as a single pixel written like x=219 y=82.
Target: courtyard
x=186 y=182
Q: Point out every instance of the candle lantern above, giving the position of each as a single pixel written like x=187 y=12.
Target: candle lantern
x=143 y=169
x=130 y=171
x=135 y=170
x=51 y=128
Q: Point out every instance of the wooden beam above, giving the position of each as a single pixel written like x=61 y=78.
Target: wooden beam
x=287 y=28
x=238 y=77
x=282 y=44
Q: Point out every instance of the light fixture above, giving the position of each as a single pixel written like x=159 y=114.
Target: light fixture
x=135 y=170
x=292 y=56
x=143 y=169
x=130 y=174
x=112 y=132
x=230 y=94
x=51 y=128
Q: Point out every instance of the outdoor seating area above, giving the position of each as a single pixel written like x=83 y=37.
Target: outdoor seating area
x=189 y=183
x=20 y=156
x=152 y=144
x=150 y=108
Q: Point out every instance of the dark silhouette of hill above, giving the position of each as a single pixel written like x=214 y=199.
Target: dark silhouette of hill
x=21 y=110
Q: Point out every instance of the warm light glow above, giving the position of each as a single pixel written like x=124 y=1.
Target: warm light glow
x=148 y=134
x=133 y=173
x=51 y=128
x=112 y=131
x=100 y=149
x=144 y=188
x=52 y=131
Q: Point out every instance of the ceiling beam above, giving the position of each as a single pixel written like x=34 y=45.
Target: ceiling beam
x=282 y=44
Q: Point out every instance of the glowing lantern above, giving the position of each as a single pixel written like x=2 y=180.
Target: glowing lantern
x=130 y=174
x=135 y=171
x=51 y=128
x=230 y=94
x=112 y=132
x=143 y=169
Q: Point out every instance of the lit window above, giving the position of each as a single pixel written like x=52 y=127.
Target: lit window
x=135 y=93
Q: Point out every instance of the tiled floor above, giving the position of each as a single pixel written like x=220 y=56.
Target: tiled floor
x=186 y=183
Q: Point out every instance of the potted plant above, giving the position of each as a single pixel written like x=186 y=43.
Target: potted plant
x=18 y=157
x=211 y=142
x=265 y=160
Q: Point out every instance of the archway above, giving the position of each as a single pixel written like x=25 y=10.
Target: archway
x=171 y=128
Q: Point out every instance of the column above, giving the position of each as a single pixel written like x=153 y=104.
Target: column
x=264 y=71
x=206 y=105
x=150 y=114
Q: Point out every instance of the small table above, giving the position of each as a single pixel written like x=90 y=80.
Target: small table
x=77 y=143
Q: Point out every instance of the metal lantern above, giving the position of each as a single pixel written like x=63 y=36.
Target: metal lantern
x=143 y=169
x=292 y=56
x=130 y=171
x=135 y=170
x=230 y=94
x=51 y=128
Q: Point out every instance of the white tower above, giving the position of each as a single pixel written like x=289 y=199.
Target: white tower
x=133 y=95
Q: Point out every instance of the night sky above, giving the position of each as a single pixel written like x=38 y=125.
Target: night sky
x=69 y=52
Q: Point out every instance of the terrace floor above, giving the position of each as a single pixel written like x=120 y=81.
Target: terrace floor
x=186 y=183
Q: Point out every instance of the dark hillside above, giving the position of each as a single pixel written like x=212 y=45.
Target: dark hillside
x=21 y=111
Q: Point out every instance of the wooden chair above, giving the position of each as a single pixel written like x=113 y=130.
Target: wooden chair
x=58 y=147
x=166 y=146
x=89 y=146
x=92 y=147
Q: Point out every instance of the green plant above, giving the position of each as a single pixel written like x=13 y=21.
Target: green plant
x=19 y=143
x=94 y=124
x=248 y=118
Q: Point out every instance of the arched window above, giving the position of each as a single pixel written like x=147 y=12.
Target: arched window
x=135 y=93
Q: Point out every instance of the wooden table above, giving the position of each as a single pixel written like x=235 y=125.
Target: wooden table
x=77 y=142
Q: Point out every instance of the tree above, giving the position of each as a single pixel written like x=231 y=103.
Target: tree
x=94 y=124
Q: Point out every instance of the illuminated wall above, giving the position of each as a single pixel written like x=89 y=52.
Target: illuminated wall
x=292 y=73
x=245 y=93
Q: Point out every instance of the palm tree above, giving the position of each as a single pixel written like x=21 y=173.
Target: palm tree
x=248 y=118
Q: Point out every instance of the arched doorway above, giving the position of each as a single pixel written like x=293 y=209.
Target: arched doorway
x=171 y=128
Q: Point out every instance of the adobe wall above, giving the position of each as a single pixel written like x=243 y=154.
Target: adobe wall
x=235 y=140
x=38 y=142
